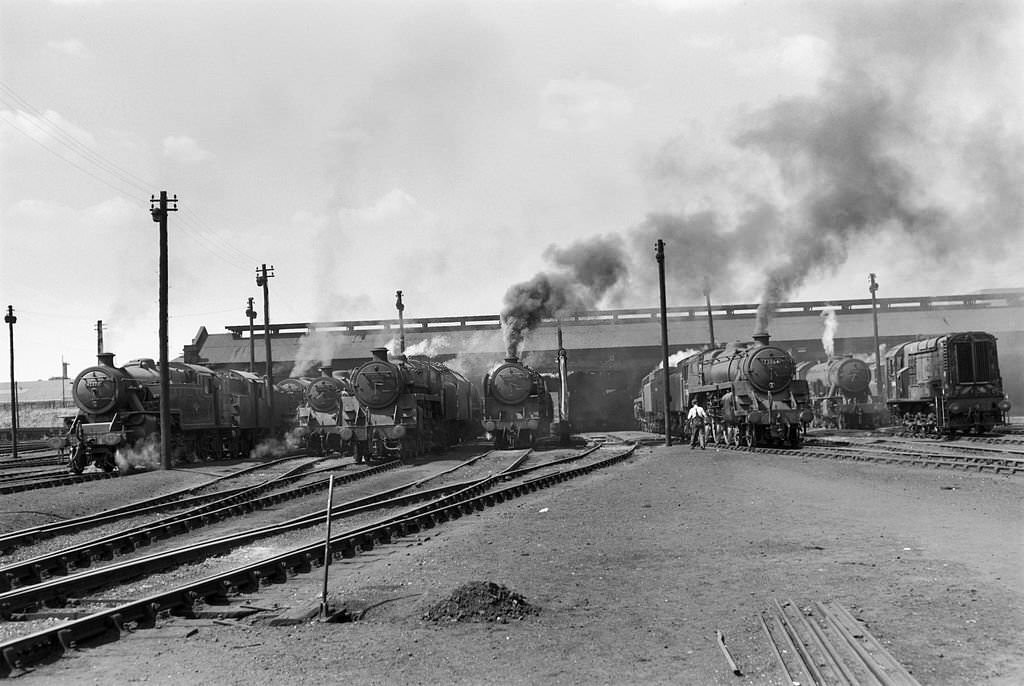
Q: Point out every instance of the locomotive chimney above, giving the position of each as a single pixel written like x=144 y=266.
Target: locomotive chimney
x=762 y=337
x=380 y=354
x=326 y=370
x=105 y=359
x=512 y=360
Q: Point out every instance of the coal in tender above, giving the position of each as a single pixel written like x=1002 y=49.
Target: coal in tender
x=481 y=601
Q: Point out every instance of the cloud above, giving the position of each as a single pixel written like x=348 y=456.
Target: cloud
x=394 y=209
x=185 y=150
x=71 y=46
x=48 y=128
x=582 y=104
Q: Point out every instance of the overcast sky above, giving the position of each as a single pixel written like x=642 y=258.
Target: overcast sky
x=459 y=150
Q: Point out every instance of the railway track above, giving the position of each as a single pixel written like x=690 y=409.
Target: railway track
x=888 y=451
x=371 y=520
x=191 y=498
x=15 y=483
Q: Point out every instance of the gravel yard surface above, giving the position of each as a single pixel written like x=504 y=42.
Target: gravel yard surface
x=622 y=576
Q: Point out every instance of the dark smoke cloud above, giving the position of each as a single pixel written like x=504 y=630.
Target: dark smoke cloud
x=914 y=132
x=585 y=275
x=833 y=152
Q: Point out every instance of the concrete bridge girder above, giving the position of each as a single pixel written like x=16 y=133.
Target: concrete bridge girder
x=630 y=340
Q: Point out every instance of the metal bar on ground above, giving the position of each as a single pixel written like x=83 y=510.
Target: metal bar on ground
x=796 y=643
x=725 y=651
x=327 y=548
x=777 y=652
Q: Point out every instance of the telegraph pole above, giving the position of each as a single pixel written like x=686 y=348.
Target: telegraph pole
x=11 y=319
x=251 y=314
x=263 y=276
x=400 y=306
x=879 y=382
x=659 y=252
x=159 y=209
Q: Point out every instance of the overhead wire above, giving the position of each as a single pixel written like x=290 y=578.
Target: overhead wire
x=190 y=223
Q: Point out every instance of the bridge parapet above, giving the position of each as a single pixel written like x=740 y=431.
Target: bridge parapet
x=1000 y=299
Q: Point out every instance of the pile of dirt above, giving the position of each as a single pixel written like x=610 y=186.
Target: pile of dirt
x=481 y=601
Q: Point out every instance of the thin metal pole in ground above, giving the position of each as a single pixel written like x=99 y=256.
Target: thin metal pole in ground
x=327 y=549
x=659 y=253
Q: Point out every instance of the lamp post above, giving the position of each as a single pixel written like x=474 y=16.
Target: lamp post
x=659 y=253
x=400 y=306
x=251 y=314
x=11 y=319
x=873 y=287
x=263 y=276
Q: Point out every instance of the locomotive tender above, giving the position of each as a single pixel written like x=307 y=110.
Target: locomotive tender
x=213 y=414
x=412 y=406
x=749 y=390
x=946 y=384
x=840 y=393
x=518 y=409
x=326 y=412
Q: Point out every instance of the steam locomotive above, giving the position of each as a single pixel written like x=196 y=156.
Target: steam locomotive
x=412 y=406
x=840 y=393
x=213 y=414
x=946 y=384
x=748 y=389
x=326 y=413
x=518 y=409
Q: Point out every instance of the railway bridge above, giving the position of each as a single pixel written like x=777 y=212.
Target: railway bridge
x=627 y=342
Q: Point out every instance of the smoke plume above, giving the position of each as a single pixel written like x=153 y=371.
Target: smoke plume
x=828 y=336
x=584 y=275
x=912 y=134
x=316 y=349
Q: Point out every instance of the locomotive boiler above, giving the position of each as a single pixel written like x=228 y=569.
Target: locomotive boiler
x=213 y=414
x=518 y=409
x=748 y=389
x=840 y=393
x=412 y=406
x=947 y=384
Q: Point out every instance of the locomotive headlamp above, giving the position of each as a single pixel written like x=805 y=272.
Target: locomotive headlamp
x=806 y=416
x=489 y=426
x=111 y=439
x=1004 y=405
x=955 y=408
x=346 y=433
x=399 y=431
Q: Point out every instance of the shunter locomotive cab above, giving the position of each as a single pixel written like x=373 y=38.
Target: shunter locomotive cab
x=947 y=384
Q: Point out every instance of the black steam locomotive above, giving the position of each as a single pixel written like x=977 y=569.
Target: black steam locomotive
x=748 y=389
x=326 y=412
x=412 y=406
x=518 y=409
x=840 y=393
x=947 y=384
x=213 y=414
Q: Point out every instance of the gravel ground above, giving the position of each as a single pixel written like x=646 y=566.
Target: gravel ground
x=628 y=573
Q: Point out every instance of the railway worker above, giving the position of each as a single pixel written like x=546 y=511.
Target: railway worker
x=697 y=418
